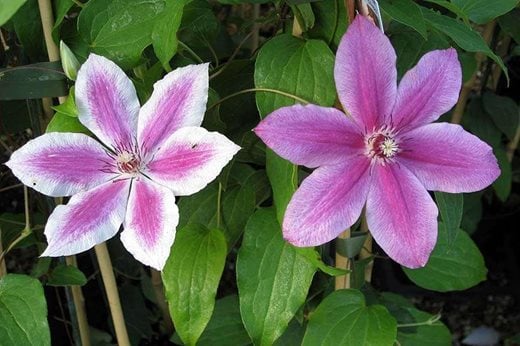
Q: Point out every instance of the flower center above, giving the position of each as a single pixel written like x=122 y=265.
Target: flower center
x=128 y=162
x=381 y=145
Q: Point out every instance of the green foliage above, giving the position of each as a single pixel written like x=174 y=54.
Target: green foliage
x=280 y=66
x=407 y=13
x=9 y=8
x=273 y=279
x=66 y=275
x=191 y=278
x=450 y=206
x=483 y=11
x=451 y=267
x=343 y=318
x=23 y=311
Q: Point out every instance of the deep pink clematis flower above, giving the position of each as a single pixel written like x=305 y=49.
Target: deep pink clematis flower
x=151 y=155
x=386 y=156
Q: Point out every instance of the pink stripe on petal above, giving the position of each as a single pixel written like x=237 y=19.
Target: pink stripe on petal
x=88 y=219
x=365 y=74
x=329 y=201
x=446 y=158
x=150 y=222
x=178 y=100
x=428 y=90
x=190 y=159
x=107 y=102
x=311 y=135
x=401 y=215
x=61 y=164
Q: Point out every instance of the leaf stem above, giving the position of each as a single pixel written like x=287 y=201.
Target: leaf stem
x=192 y=53
x=428 y=322
x=232 y=57
x=109 y=280
x=158 y=288
x=219 y=197
x=245 y=91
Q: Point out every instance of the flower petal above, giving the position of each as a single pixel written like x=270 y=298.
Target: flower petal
x=446 y=158
x=59 y=164
x=428 y=90
x=88 y=219
x=365 y=73
x=107 y=102
x=310 y=135
x=151 y=218
x=178 y=100
x=329 y=201
x=190 y=159
x=401 y=215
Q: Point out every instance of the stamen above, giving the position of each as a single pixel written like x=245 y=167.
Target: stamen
x=381 y=145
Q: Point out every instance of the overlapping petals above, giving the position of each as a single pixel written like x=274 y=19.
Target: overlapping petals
x=388 y=159
x=111 y=184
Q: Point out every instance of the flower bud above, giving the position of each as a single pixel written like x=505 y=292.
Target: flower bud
x=69 y=62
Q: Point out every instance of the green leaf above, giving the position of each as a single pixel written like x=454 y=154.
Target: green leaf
x=66 y=275
x=304 y=15
x=69 y=106
x=119 y=29
x=453 y=8
x=483 y=11
x=479 y=122
x=61 y=122
x=343 y=318
x=504 y=182
x=331 y=21
x=273 y=279
x=314 y=258
x=34 y=81
x=510 y=24
x=164 y=35
x=191 y=277
x=462 y=35
x=451 y=206
x=9 y=8
x=504 y=111
x=237 y=206
x=435 y=334
x=199 y=208
x=407 y=13
x=61 y=7
x=427 y=332
x=199 y=24
x=451 y=267
x=28 y=27
x=299 y=67
x=23 y=311
x=225 y=327
x=472 y=211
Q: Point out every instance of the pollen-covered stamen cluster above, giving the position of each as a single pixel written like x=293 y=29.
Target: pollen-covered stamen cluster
x=381 y=145
x=128 y=162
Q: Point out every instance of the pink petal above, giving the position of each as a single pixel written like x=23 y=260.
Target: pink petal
x=428 y=90
x=310 y=135
x=190 y=159
x=329 y=201
x=151 y=218
x=178 y=100
x=88 y=219
x=61 y=164
x=107 y=102
x=401 y=215
x=446 y=158
x=365 y=73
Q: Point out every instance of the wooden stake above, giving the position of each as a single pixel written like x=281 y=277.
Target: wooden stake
x=109 y=280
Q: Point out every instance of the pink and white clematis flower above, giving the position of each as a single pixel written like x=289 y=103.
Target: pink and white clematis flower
x=386 y=156
x=151 y=155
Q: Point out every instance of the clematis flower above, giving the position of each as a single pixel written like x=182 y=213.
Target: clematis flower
x=150 y=155
x=385 y=156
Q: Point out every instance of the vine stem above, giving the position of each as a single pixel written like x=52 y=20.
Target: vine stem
x=109 y=280
x=366 y=251
x=158 y=288
x=342 y=262
x=47 y=20
x=245 y=91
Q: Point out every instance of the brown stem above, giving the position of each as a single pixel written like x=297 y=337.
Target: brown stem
x=109 y=280
x=158 y=288
x=458 y=112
